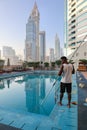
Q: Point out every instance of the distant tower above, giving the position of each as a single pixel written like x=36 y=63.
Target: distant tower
x=9 y=53
x=51 y=55
x=30 y=46
x=32 y=36
x=57 y=48
x=42 y=45
x=61 y=52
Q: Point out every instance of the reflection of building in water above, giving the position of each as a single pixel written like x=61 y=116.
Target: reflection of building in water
x=20 y=79
x=2 y=86
x=35 y=93
x=57 y=88
x=52 y=78
x=8 y=83
x=32 y=94
x=42 y=87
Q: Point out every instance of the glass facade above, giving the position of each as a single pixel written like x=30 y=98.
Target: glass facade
x=42 y=45
x=65 y=28
x=30 y=40
x=32 y=36
x=57 y=48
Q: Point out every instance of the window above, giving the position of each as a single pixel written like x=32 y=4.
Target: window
x=73 y=15
x=73 y=32
x=73 y=10
x=73 y=27
x=73 y=4
x=73 y=21
x=73 y=38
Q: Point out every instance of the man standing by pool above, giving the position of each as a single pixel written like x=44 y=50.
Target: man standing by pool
x=66 y=70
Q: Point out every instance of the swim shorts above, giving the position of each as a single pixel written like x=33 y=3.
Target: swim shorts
x=65 y=87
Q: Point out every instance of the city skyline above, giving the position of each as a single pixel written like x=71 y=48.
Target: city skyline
x=14 y=17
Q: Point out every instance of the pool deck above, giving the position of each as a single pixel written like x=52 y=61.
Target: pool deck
x=82 y=102
x=84 y=74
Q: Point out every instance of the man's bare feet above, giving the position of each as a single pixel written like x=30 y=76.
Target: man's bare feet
x=59 y=103
x=68 y=105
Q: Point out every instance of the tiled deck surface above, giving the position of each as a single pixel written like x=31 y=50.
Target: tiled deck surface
x=82 y=103
x=84 y=74
x=6 y=127
x=61 y=118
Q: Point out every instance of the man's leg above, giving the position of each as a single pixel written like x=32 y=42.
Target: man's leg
x=62 y=90
x=61 y=97
x=69 y=99
x=69 y=89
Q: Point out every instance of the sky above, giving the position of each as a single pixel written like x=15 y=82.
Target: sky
x=14 y=15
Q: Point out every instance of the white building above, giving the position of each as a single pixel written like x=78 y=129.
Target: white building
x=76 y=29
x=42 y=45
x=75 y=25
x=32 y=36
x=9 y=52
x=57 y=47
x=52 y=59
x=47 y=59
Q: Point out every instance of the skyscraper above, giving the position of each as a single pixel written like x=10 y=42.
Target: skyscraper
x=32 y=36
x=57 y=47
x=75 y=24
x=30 y=42
x=42 y=45
x=52 y=55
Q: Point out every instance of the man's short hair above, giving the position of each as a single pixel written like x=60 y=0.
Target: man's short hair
x=63 y=58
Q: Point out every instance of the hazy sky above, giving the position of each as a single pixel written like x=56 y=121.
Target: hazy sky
x=14 y=15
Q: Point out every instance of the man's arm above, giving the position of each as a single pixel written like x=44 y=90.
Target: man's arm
x=61 y=70
x=73 y=71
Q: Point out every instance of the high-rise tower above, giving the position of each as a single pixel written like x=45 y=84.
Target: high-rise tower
x=51 y=55
x=42 y=42
x=75 y=23
x=32 y=36
x=57 y=47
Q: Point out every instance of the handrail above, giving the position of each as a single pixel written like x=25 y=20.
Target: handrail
x=73 y=55
x=78 y=47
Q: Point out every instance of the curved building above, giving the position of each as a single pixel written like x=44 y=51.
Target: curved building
x=75 y=24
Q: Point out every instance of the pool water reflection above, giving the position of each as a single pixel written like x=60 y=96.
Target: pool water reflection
x=29 y=93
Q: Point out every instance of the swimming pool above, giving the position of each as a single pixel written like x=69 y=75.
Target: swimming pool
x=29 y=93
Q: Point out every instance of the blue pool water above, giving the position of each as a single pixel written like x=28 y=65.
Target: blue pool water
x=29 y=93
